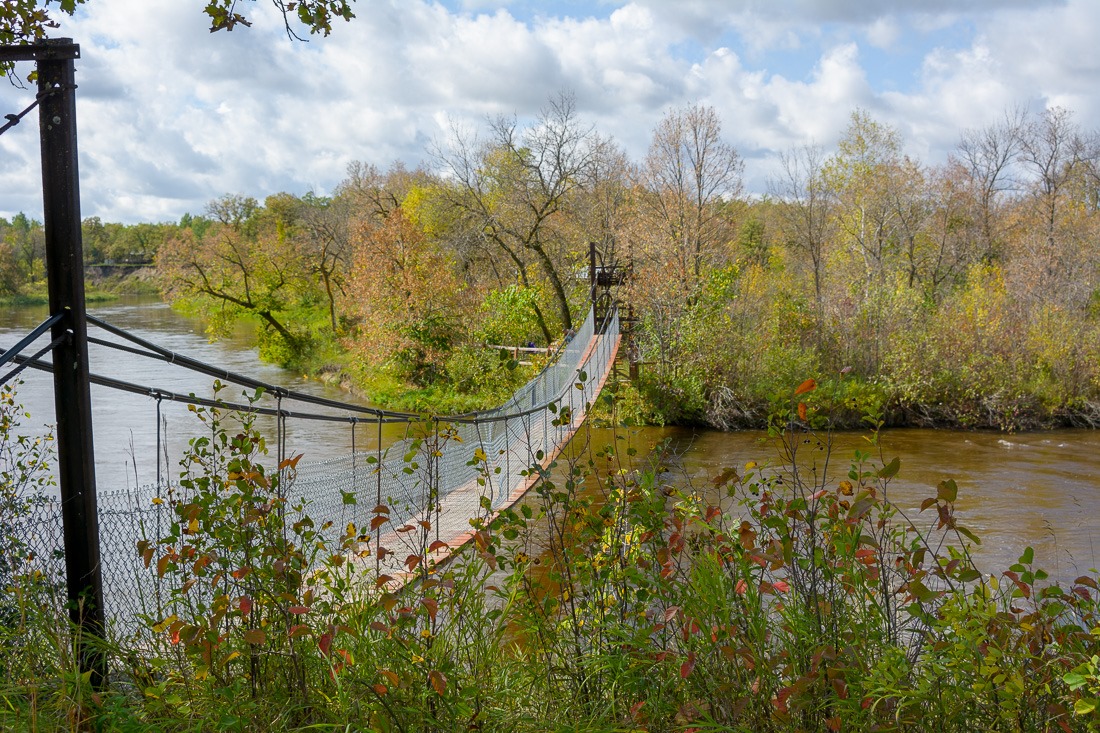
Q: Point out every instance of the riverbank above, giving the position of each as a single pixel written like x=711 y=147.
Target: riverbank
x=994 y=395
x=850 y=403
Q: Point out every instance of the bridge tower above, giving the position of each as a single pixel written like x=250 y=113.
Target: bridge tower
x=606 y=272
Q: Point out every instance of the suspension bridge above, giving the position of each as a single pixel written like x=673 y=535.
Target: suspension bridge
x=457 y=469
x=432 y=488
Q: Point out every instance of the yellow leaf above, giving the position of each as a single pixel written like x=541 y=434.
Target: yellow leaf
x=158 y=628
x=438 y=680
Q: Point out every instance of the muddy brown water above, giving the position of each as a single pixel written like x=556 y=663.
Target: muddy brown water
x=1039 y=489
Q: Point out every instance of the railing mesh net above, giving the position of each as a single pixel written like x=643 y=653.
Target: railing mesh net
x=433 y=475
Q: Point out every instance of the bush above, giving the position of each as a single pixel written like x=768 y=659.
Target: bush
x=776 y=598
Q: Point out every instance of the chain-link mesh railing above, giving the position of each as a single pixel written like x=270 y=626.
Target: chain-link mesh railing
x=448 y=471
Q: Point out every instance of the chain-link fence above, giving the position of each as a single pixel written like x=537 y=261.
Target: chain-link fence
x=449 y=471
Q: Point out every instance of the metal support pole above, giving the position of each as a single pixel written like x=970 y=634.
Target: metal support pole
x=72 y=394
x=592 y=273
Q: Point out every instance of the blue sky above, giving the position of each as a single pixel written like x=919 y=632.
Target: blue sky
x=172 y=116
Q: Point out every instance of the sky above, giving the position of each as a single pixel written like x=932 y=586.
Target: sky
x=171 y=116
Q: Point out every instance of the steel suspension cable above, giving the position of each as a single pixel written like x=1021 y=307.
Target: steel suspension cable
x=161 y=354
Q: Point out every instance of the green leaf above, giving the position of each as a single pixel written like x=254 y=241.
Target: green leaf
x=863 y=503
x=1028 y=557
x=968 y=534
x=921 y=592
x=1085 y=705
x=890 y=469
x=947 y=490
x=1074 y=680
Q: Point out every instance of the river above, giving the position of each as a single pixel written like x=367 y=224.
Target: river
x=1038 y=489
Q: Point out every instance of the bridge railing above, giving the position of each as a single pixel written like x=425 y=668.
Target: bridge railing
x=454 y=469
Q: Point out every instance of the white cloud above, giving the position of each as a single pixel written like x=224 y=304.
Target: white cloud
x=171 y=116
x=883 y=32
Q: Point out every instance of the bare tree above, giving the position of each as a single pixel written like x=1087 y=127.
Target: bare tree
x=988 y=155
x=806 y=211
x=688 y=173
x=1054 y=151
x=325 y=245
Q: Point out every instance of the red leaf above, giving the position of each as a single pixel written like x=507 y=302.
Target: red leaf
x=378 y=521
x=808 y=386
x=670 y=613
x=298 y=610
x=438 y=545
x=781 y=698
x=687 y=666
x=802 y=411
x=255 y=636
x=741 y=587
x=431 y=605
x=781 y=586
x=245 y=604
x=379 y=689
x=324 y=644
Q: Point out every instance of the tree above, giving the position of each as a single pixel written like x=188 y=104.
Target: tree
x=688 y=173
x=27 y=241
x=1055 y=152
x=859 y=173
x=518 y=190
x=953 y=238
x=324 y=244
x=241 y=266
x=806 y=211
x=987 y=155
x=407 y=297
